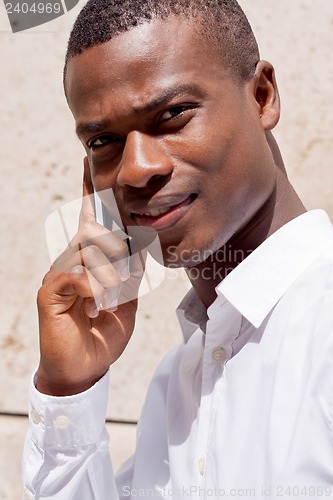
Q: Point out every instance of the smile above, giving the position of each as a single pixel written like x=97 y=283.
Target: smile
x=155 y=213
x=163 y=217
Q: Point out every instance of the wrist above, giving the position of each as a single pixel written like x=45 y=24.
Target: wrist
x=52 y=387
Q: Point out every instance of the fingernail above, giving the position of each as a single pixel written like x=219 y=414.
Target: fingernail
x=109 y=302
x=94 y=313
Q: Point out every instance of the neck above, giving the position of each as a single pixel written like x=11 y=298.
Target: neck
x=282 y=206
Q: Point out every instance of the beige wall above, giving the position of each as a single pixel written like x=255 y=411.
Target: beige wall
x=41 y=169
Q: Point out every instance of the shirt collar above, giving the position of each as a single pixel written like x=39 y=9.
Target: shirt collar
x=191 y=313
x=256 y=285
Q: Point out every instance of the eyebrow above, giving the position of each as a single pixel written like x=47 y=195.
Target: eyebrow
x=170 y=93
x=163 y=98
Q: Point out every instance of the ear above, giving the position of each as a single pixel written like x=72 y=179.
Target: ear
x=265 y=92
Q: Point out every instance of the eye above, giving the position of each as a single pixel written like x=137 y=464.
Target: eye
x=103 y=140
x=174 y=112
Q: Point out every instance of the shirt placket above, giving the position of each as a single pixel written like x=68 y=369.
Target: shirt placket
x=222 y=328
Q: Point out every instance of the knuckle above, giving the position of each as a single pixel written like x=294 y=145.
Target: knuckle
x=83 y=235
x=120 y=251
x=77 y=271
x=124 y=250
x=91 y=252
x=87 y=229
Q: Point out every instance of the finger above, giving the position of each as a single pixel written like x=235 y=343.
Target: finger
x=87 y=182
x=114 y=250
x=105 y=273
x=110 y=300
x=63 y=289
x=88 y=208
x=130 y=288
x=89 y=288
x=100 y=268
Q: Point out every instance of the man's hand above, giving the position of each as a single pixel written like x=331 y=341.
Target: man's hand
x=82 y=329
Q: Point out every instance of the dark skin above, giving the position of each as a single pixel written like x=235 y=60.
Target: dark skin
x=188 y=151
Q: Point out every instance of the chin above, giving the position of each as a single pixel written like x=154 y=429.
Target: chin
x=174 y=257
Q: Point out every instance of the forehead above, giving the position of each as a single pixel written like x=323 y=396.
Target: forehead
x=136 y=65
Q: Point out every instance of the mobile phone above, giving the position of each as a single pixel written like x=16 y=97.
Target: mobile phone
x=62 y=224
x=103 y=215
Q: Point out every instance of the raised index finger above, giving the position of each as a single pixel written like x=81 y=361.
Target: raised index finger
x=87 y=209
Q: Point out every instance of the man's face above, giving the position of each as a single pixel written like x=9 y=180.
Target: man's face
x=171 y=132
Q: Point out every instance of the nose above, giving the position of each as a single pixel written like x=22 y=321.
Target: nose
x=143 y=160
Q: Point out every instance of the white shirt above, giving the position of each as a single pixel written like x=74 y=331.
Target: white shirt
x=242 y=409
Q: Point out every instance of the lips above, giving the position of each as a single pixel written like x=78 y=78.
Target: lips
x=164 y=216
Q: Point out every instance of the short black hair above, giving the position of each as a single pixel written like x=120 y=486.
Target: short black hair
x=222 y=22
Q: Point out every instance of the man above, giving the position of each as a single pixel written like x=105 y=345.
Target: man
x=174 y=109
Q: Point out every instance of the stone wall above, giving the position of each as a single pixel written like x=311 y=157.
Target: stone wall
x=41 y=169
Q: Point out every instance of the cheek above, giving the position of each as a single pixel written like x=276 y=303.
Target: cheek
x=212 y=146
x=103 y=179
x=235 y=178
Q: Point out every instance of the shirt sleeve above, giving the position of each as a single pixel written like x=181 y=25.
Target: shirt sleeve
x=66 y=453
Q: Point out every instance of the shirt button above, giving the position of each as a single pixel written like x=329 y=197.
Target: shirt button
x=35 y=416
x=62 y=422
x=218 y=354
x=26 y=494
x=201 y=465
